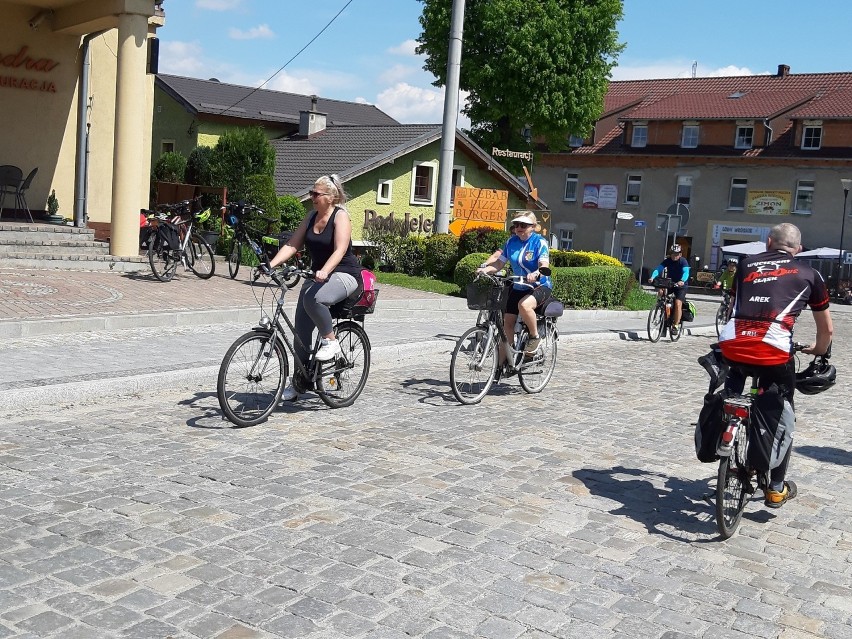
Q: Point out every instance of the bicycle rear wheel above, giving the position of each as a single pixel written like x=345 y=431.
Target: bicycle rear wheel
x=656 y=321
x=234 y=258
x=251 y=378
x=200 y=257
x=721 y=316
x=676 y=336
x=536 y=373
x=161 y=258
x=473 y=365
x=731 y=482
x=342 y=379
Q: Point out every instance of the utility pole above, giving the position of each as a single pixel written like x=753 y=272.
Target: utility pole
x=451 y=117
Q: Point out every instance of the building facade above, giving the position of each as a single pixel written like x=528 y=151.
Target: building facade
x=76 y=99
x=706 y=161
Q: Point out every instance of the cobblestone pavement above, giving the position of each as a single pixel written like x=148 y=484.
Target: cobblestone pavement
x=578 y=512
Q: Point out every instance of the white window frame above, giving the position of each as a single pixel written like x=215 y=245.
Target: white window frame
x=566 y=239
x=689 y=136
x=639 y=141
x=457 y=180
x=571 y=178
x=384 y=199
x=684 y=181
x=744 y=140
x=163 y=144
x=739 y=186
x=629 y=255
x=433 y=175
x=575 y=141
x=804 y=186
x=633 y=190
x=816 y=130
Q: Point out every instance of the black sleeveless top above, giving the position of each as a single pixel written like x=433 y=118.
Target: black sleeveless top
x=321 y=246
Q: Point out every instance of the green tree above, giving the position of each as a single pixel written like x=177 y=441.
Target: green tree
x=238 y=155
x=292 y=212
x=170 y=167
x=543 y=65
x=199 y=166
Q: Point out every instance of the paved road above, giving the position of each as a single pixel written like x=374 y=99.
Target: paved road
x=578 y=512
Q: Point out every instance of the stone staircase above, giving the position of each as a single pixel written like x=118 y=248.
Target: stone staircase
x=54 y=246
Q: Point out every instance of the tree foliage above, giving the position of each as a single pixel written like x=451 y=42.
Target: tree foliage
x=239 y=154
x=542 y=64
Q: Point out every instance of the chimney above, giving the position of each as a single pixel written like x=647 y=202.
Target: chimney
x=783 y=70
x=312 y=121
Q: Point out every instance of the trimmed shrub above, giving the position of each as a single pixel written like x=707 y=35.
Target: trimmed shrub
x=581 y=258
x=199 y=166
x=441 y=254
x=170 y=167
x=387 y=239
x=238 y=155
x=592 y=286
x=412 y=255
x=482 y=239
x=466 y=268
x=292 y=212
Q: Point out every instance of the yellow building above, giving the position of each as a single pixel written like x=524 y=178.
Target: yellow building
x=76 y=103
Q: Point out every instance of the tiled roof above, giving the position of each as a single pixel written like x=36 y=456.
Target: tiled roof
x=829 y=105
x=213 y=98
x=351 y=151
x=715 y=106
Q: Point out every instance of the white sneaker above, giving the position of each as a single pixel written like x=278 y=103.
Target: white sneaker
x=329 y=350
x=290 y=394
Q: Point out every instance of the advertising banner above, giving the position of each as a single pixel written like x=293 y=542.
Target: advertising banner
x=768 y=202
x=600 y=196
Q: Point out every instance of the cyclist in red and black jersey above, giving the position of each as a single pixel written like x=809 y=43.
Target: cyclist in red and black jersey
x=770 y=290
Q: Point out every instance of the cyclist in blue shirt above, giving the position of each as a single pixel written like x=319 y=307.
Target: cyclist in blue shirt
x=527 y=251
x=677 y=270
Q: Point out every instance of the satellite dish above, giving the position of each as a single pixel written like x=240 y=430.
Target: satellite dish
x=680 y=210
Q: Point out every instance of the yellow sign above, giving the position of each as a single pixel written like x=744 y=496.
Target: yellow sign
x=477 y=208
x=768 y=202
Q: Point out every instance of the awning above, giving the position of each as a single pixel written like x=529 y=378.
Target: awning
x=824 y=253
x=747 y=248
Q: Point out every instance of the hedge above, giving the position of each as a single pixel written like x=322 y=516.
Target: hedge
x=466 y=267
x=582 y=258
x=592 y=286
x=441 y=254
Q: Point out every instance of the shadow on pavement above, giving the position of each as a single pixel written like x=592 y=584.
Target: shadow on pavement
x=211 y=417
x=828 y=454
x=665 y=505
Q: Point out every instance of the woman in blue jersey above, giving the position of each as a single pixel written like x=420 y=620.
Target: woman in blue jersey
x=527 y=251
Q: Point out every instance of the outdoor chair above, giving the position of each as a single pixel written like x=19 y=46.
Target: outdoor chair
x=10 y=182
x=21 y=194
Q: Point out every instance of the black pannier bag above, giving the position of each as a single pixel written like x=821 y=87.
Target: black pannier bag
x=709 y=428
x=169 y=234
x=688 y=311
x=772 y=424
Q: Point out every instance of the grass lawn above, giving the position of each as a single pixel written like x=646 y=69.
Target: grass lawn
x=444 y=287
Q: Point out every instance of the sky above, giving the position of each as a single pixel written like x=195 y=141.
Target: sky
x=367 y=52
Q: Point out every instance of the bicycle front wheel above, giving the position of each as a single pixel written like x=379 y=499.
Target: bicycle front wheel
x=234 y=258
x=161 y=258
x=342 y=379
x=721 y=317
x=200 y=259
x=536 y=373
x=731 y=483
x=656 y=321
x=473 y=365
x=251 y=378
x=675 y=336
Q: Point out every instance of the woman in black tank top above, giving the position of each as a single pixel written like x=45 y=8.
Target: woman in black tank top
x=327 y=233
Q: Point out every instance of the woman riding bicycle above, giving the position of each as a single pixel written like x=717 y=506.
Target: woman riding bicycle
x=327 y=233
x=527 y=251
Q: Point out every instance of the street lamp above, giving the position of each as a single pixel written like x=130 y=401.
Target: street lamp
x=847 y=184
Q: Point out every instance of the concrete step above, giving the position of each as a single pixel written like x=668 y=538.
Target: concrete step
x=45 y=231
x=75 y=262
x=8 y=249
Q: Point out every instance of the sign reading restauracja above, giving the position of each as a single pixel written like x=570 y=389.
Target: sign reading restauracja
x=21 y=59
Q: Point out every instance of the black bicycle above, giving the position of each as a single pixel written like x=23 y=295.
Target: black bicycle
x=254 y=371
x=262 y=245
x=660 y=316
x=173 y=241
x=723 y=311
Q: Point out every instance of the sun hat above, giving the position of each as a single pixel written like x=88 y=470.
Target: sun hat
x=526 y=217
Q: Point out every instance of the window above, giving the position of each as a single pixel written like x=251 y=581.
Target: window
x=575 y=141
x=571 y=187
x=384 y=192
x=804 y=196
x=640 y=135
x=634 y=185
x=812 y=137
x=684 y=189
x=737 y=199
x=745 y=137
x=690 y=136
x=167 y=146
x=423 y=183
x=626 y=255
x=566 y=239
x=458 y=180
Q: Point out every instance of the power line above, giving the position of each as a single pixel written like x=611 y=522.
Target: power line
x=284 y=66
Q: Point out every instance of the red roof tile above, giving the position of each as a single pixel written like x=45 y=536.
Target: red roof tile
x=716 y=106
x=829 y=105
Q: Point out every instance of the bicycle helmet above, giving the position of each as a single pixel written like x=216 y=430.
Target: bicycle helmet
x=675 y=248
x=817 y=377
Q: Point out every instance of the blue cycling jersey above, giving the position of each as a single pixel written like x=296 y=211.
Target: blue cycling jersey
x=677 y=270
x=525 y=257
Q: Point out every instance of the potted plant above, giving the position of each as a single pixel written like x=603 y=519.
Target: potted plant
x=53 y=216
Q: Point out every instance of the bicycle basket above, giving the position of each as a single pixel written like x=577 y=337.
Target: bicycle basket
x=663 y=282
x=482 y=295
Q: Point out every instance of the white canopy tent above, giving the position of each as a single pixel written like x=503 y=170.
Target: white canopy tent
x=824 y=253
x=747 y=248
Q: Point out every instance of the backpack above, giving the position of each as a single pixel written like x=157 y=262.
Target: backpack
x=772 y=424
x=709 y=427
x=688 y=311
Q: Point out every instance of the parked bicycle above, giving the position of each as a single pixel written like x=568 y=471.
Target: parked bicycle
x=474 y=365
x=264 y=246
x=254 y=371
x=660 y=316
x=173 y=241
x=723 y=311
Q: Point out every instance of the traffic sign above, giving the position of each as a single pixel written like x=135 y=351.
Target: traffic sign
x=639 y=223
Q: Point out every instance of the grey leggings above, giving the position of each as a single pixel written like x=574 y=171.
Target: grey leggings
x=312 y=311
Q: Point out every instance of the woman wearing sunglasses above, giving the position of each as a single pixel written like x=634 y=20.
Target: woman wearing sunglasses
x=527 y=251
x=327 y=233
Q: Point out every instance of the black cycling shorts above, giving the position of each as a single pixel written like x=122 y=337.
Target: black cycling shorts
x=679 y=292
x=542 y=295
